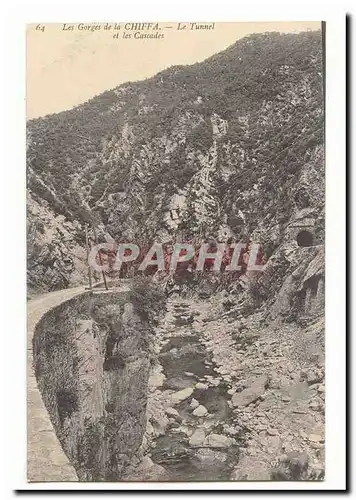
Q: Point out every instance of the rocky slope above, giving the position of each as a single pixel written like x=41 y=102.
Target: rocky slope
x=56 y=259
x=234 y=397
x=229 y=146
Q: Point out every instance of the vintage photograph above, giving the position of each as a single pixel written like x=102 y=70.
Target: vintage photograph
x=175 y=251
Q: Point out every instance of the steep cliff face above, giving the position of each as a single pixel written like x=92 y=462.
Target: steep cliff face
x=92 y=368
x=55 y=255
x=229 y=147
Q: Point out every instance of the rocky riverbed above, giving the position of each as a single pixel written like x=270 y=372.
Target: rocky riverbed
x=232 y=399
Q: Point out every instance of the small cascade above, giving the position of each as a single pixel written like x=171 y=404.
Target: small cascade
x=199 y=438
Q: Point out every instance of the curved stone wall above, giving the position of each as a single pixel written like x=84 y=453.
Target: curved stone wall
x=46 y=460
x=88 y=372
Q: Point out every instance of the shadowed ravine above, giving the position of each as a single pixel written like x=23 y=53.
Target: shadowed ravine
x=185 y=450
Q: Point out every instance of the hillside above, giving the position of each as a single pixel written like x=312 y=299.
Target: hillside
x=226 y=139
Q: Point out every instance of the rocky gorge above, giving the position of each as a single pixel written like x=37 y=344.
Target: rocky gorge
x=224 y=378
x=236 y=399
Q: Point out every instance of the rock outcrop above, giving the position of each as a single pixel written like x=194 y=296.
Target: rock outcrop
x=230 y=147
x=92 y=371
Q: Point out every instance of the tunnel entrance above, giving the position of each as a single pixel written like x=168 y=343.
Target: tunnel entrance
x=305 y=239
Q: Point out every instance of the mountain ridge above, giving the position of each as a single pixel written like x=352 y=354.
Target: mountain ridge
x=227 y=137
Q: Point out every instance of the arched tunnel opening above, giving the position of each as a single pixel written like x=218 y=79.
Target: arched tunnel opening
x=305 y=239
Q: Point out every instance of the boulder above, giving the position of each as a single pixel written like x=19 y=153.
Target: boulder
x=194 y=403
x=316 y=438
x=171 y=412
x=200 y=411
x=218 y=441
x=201 y=386
x=179 y=396
x=197 y=439
x=250 y=394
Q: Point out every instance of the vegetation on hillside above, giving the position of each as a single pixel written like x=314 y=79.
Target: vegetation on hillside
x=236 y=133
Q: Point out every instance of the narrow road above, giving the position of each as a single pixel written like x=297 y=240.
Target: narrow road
x=46 y=460
x=39 y=305
x=45 y=457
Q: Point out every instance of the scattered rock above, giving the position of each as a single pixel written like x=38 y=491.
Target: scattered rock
x=200 y=411
x=185 y=430
x=312 y=376
x=179 y=396
x=230 y=430
x=292 y=467
x=171 y=412
x=194 y=403
x=251 y=394
x=301 y=409
x=218 y=441
x=316 y=438
x=211 y=457
x=261 y=427
x=156 y=380
x=238 y=475
x=197 y=438
x=314 y=405
x=259 y=418
x=201 y=386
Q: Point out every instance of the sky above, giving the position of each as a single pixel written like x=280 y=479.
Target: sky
x=65 y=67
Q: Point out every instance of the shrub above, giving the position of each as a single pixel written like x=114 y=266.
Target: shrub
x=67 y=403
x=148 y=298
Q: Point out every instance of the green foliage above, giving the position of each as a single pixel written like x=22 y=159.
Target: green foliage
x=89 y=446
x=148 y=298
x=201 y=136
x=267 y=86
